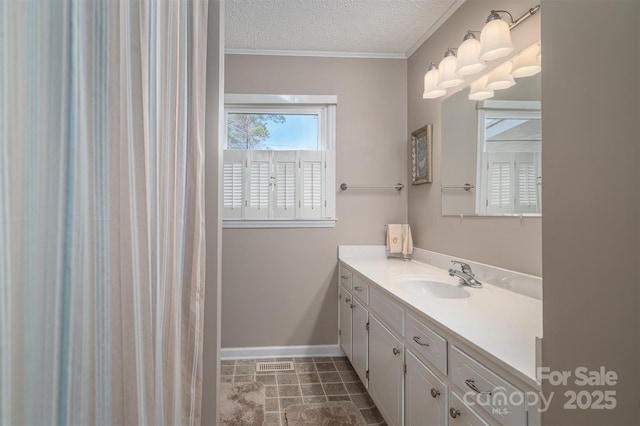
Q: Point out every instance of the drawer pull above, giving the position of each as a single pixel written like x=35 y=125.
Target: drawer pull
x=454 y=412
x=472 y=384
x=435 y=392
x=417 y=340
x=396 y=351
x=358 y=288
x=344 y=277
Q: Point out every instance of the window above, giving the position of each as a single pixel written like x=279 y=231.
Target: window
x=278 y=161
x=509 y=158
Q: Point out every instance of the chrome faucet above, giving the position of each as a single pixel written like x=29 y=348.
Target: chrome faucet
x=465 y=274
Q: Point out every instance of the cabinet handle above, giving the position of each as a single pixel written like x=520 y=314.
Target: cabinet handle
x=472 y=384
x=344 y=277
x=435 y=392
x=454 y=412
x=346 y=299
x=417 y=340
x=358 y=288
x=396 y=351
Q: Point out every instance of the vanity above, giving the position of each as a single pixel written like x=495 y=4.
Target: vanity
x=433 y=352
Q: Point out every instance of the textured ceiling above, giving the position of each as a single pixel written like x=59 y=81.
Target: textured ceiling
x=358 y=27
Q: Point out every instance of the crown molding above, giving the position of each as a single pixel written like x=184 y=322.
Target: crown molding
x=322 y=54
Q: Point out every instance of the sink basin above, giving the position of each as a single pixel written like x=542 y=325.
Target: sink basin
x=423 y=286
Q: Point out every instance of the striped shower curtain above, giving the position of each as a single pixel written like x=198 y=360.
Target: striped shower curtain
x=101 y=211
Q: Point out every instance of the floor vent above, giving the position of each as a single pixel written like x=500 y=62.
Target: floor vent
x=274 y=366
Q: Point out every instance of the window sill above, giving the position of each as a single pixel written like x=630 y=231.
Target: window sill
x=249 y=223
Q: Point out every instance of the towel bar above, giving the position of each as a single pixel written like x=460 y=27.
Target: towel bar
x=466 y=186
x=397 y=186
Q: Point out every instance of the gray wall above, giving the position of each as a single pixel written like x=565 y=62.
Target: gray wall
x=212 y=310
x=279 y=286
x=591 y=200
x=505 y=242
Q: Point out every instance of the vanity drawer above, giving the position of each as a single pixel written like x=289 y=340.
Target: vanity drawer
x=387 y=310
x=427 y=343
x=360 y=290
x=487 y=388
x=461 y=414
x=346 y=277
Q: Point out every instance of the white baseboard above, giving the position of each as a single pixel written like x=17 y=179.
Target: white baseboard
x=280 y=352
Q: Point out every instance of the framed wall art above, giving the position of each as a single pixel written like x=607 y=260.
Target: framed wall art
x=421 y=155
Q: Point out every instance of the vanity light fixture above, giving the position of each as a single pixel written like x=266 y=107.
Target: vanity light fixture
x=495 y=38
x=500 y=78
x=526 y=63
x=479 y=90
x=447 y=71
x=468 y=55
x=495 y=42
x=431 y=89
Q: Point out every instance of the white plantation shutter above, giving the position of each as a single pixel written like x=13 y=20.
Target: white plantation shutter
x=512 y=182
x=259 y=184
x=527 y=190
x=284 y=185
x=312 y=184
x=285 y=200
x=233 y=183
x=500 y=170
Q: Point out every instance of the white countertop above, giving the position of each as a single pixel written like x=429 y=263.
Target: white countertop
x=500 y=324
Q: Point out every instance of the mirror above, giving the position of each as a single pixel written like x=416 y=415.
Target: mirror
x=491 y=152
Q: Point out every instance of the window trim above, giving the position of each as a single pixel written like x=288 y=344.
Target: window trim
x=278 y=223
x=326 y=105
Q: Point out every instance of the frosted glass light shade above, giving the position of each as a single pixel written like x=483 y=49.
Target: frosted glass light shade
x=468 y=54
x=500 y=78
x=479 y=90
x=495 y=40
x=447 y=70
x=431 y=89
x=539 y=55
x=526 y=63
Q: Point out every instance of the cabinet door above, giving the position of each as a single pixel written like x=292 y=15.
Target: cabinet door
x=425 y=395
x=386 y=371
x=360 y=345
x=345 y=322
x=460 y=414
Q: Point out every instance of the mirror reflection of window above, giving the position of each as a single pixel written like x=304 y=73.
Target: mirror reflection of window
x=509 y=158
x=507 y=138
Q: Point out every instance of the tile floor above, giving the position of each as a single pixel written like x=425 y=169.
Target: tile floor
x=314 y=380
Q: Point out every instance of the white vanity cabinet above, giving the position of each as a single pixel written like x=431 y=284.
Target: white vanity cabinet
x=460 y=414
x=360 y=341
x=386 y=372
x=501 y=399
x=416 y=371
x=425 y=395
x=346 y=278
x=354 y=325
x=360 y=289
x=346 y=322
